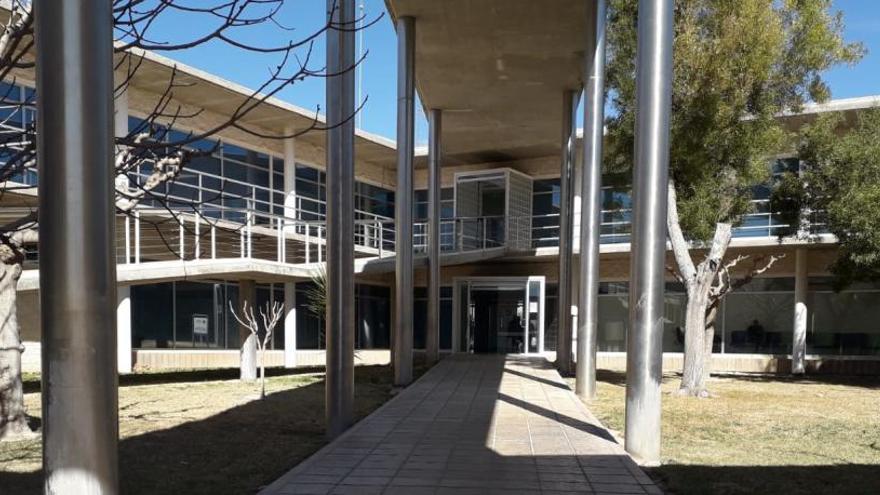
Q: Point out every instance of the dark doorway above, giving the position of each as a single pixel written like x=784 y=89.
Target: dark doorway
x=497 y=323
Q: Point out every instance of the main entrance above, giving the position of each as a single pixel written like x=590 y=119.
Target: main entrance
x=503 y=315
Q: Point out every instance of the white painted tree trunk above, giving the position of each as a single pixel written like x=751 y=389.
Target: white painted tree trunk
x=13 y=420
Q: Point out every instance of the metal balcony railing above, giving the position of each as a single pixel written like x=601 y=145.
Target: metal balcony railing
x=616 y=225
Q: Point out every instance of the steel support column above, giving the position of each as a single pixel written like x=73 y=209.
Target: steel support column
x=432 y=337
x=591 y=201
x=799 y=333
x=564 y=323
x=648 y=254
x=403 y=204
x=77 y=229
x=340 y=218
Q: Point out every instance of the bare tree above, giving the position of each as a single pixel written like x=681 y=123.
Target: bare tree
x=270 y=317
x=154 y=149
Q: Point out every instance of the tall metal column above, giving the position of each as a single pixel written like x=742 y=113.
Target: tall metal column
x=339 y=330
x=799 y=333
x=432 y=337
x=77 y=229
x=647 y=260
x=563 y=332
x=403 y=203
x=591 y=202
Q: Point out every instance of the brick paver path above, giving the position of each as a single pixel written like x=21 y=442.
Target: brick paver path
x=474 y=425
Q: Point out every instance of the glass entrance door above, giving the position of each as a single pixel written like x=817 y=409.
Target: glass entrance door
x=499 y=315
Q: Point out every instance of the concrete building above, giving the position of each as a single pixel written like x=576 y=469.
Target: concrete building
x=501 y=99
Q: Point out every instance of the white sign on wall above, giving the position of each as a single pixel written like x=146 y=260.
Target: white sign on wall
x=200 y=324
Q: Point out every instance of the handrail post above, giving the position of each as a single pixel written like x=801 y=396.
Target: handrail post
x=180 y=234
x=197 y=243
x=308 y=239
x=241 y=241
x=250 y=222
x=127 y=240
x=320 y=242
x=213 y=241
x=137 y=237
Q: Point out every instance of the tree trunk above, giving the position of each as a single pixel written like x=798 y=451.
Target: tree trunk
x=695 y=365
x=13 y=420
x=698 y=280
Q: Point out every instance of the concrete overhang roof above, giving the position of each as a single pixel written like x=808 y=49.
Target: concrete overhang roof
x=848 y=107
x=498 y=69
x=207 y=91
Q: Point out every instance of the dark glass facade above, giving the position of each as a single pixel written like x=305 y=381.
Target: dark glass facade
x=420 y=317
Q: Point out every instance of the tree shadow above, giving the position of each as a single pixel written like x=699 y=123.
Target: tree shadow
x=236 y=451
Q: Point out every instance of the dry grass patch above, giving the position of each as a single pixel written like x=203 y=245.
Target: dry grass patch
x=763 y=434
x=205 y=432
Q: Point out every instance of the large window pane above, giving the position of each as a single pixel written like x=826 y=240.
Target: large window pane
x=195 y=301
x=152 y=319
x=758 y=322
x=844 y=323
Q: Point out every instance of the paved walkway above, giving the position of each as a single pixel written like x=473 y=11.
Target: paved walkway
x=474 y=425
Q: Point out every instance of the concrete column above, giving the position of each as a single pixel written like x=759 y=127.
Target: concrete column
x=123 y=302
x=564 y=320
x=432 y=334
x=289 y=287
x=591 y=203
x=290 y=179
x=644 y=343
x=247 y=294
x=403 y=206
x=123 y=329
x=799 y=333
x=289 y=325
x=339 y=391
x=74 y=61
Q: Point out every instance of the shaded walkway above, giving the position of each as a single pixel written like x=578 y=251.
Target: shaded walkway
x=474 y=425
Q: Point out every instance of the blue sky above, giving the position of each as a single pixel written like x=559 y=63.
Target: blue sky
x=862 y=18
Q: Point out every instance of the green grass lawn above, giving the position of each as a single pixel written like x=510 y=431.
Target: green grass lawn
x=205 y=432
x=763 y=434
